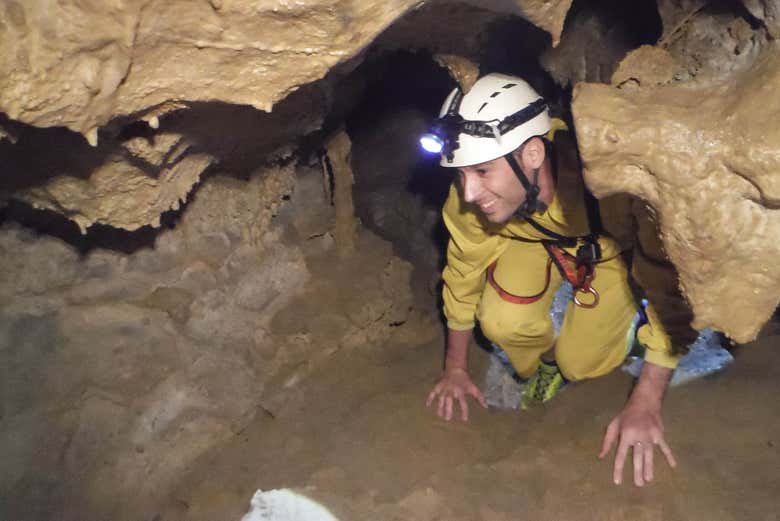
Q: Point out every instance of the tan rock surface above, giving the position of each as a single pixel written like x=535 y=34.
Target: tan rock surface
x=79 y=64
x=768 y=11
x=462 y=70
x=647 y=65
x=82 y=65
x=547 y=14
x=704 y=155
x=106 y=196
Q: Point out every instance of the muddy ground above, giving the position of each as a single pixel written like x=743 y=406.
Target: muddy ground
x=364 y=445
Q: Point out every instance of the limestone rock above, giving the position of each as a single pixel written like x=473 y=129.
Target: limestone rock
x=462 y=70
x=588 y=51
x=157 y=150
x=180 y=68
x=768 y=11
x=80 y=65
x=647 y=65
x=549 y=15
x=240 y=210
x=704 y=156
x=708 y=43
x=105 y=196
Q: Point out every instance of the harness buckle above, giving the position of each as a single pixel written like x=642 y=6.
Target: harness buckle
x=588 y=253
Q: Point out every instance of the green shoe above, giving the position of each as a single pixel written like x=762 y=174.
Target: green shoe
x=545 y=383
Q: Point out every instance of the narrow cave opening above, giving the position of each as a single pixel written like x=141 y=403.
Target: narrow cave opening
x=399 y=191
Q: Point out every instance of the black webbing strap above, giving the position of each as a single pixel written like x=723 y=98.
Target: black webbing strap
x=589 y=253
x=518 y=172
x=509 y=123
x=594 y=214
x=561 y=240
x=532 y=203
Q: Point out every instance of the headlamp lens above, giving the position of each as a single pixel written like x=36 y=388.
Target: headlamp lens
x=431 y=143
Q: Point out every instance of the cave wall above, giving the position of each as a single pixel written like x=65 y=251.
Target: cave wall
x=118 y=370
x=688 y=126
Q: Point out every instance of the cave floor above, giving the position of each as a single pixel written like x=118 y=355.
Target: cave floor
x=363 y=444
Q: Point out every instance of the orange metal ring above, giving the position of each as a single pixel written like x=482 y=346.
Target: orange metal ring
x=592 y=291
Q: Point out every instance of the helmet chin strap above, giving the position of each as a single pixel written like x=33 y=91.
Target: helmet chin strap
x=532 y=203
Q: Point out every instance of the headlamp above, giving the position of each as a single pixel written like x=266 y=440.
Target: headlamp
x=443 y=135
x=432 y=143
x=442 y=138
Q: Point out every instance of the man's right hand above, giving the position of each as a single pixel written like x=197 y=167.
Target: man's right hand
x=453 y=387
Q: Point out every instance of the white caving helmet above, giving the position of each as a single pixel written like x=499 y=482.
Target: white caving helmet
x=496 y=116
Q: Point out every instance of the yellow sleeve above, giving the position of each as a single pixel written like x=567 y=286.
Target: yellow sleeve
x=668 y=333
x=470 y=251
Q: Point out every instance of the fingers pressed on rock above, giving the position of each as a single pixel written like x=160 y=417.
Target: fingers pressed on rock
x=477 y=394
x=667 y=452
x=609 y=439
x=432 y=396
x=464 y=408
x=648 y=463
x=440 y=410
x=620 y=460
x=639 y=465
x=448 y=408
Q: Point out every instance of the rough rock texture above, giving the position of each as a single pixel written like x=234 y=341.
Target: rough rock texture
x=108 y=59
x=462 y=70
x=709 y=45
x=703 y=153
x=105 y=196
x=94 y=67
x=339 y=163
x=128 y=367
x=547 y=14
x=589 y=51
x=648 y=65
x=768 y=11
x=137 y=173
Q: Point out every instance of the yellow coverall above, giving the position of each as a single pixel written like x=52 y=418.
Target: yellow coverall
x=591 y=342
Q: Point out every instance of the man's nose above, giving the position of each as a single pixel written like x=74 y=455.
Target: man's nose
x=471 y=187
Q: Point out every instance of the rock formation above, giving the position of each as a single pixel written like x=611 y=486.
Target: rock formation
x=689 y=127
x=90 y=67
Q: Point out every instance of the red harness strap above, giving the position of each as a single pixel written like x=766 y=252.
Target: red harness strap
x=580 y=278
x=579 y=275
x=517 y=299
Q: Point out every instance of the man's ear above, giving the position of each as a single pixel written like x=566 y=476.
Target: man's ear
x=532 y=154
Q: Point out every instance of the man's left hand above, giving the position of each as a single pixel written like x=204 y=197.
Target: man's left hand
x=639 y=428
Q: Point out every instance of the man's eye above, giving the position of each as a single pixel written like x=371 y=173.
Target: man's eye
x=482 y=172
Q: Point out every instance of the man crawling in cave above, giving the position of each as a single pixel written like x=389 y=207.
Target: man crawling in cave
x=521 y=222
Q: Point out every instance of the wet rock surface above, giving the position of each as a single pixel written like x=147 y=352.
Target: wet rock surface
x=120 y=370
x=376 y=452
x=713 y=187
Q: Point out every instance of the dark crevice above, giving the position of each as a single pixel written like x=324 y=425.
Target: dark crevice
x=735 y=8
x=638 y=20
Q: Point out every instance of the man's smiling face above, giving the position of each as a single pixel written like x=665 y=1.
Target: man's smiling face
x=493 y=187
